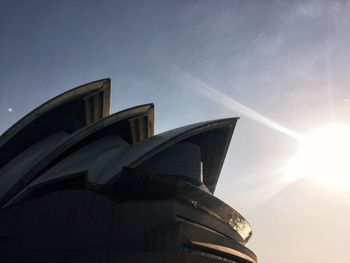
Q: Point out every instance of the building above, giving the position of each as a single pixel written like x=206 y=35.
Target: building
x=80 y=185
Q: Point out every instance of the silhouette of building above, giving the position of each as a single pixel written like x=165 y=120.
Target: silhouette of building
x=80 y=185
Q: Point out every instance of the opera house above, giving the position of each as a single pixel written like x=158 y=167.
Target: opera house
x=80 y=185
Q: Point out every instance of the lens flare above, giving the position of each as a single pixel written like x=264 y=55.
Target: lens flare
x=324 y=156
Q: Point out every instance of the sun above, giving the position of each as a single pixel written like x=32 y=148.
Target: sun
x=324 y=156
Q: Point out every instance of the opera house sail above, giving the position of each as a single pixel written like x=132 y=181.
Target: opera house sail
x=80 y=185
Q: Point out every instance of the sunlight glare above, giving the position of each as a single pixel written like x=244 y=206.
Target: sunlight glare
x=324 y=156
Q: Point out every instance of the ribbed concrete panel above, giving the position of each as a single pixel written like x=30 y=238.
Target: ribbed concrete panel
x=64 y=113
x=214 y=145
x=140 y=152
x=11 y=175
x=117 y=124
x=93 y=156
x=181 y=159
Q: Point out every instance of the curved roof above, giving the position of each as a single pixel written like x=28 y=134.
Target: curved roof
x=67 y=113
x=120 y=123
x=73 y=136
x=212 y=136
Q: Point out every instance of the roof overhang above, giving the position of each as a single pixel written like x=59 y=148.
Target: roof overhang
x=67 y=112
x=213 y=137
x=120 y=123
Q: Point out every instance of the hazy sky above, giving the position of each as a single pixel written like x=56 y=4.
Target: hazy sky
x=282 y=66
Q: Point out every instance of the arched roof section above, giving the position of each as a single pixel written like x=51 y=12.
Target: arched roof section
x=120 y=123
x=65 y=113
x=213 y=137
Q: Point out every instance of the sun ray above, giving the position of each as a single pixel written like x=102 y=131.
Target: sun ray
x=230 y=103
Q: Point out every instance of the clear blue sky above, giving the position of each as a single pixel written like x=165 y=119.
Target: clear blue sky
x=282 y=66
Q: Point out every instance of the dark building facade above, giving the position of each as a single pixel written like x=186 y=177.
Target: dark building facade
x=80 y=185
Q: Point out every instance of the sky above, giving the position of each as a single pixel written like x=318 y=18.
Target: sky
x=281 y=66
